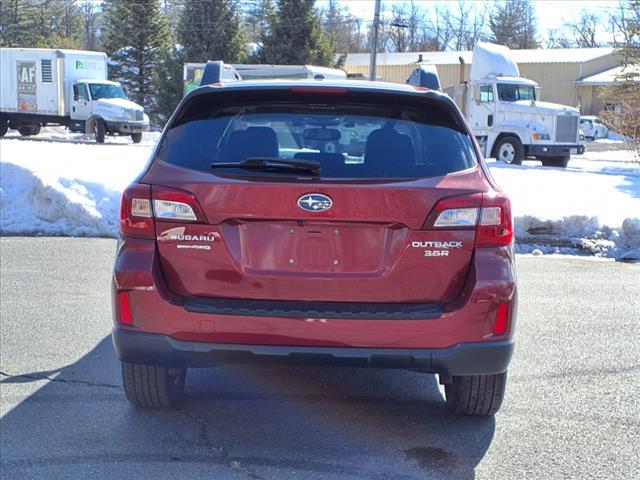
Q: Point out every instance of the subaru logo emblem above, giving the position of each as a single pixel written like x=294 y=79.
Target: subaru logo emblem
x=315 y=202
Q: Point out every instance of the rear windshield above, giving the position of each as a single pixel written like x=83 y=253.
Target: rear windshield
x=362 y=141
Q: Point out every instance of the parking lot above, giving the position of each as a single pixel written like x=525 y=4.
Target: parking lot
x=572 y=407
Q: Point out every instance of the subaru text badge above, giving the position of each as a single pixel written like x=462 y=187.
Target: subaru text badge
x=315 y=202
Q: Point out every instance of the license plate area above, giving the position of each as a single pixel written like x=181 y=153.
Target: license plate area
x=314 y=247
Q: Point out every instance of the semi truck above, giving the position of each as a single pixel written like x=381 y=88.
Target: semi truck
x=506 y=115
x=65 y=87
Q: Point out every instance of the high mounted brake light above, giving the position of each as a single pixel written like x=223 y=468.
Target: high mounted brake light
x=490 y=214
x=320 y=90
x=142 y=203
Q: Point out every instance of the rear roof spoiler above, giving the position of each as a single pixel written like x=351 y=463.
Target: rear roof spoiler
x=425 y=76
x=218 y=72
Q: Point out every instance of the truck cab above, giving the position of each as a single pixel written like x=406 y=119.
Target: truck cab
x=506 y=115
x=102 y=107
x=511 y=123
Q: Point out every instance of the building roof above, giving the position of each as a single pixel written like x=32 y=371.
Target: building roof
x=540 y=55
x=609 y=76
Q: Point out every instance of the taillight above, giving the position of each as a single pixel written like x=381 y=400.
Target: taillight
x=178 y=205
x=490 y=214
x=136 y=218
x=142 y=203
x=501 y=324
x=455 y=212
x=496 y=224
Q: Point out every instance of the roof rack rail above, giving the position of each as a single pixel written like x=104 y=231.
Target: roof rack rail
x=425 y=76
x=218 y=72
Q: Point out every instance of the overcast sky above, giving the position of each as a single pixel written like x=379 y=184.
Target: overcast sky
x=551 y=13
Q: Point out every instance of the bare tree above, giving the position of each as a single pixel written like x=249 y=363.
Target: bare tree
x=441 y=34
x=585 y=29
x=89 y=17
x=623 y=95
x=557 y=39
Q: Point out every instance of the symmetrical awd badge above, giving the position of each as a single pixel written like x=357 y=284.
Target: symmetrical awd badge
x=315 y=202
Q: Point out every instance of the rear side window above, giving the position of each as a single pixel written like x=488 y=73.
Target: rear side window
x=486 y=93
x=348 y=141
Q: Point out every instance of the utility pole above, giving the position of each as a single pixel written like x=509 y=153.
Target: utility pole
x=374 y=42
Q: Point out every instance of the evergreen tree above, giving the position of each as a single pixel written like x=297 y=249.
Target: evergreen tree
x=135 y=35
x=40 y=23
x=170 y=83
x=257 y=17
x=513 y=24
x=295 y=36
x=210 y=30
x=18 y=24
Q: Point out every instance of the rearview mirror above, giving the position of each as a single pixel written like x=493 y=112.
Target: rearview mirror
x=321 y=134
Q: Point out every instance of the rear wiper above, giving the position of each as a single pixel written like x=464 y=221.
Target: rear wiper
x=264 y=164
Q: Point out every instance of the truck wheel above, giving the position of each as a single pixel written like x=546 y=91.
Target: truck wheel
x=478 y=395
x=150 y=386
x=561 y=162
x=28 y=130
x=509 y=150
x=4 y=127
x=99 y=130
x=136 y=137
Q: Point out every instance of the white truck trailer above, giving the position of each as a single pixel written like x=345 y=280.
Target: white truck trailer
x=506 y=115
x=64 y=87
x=193 y=72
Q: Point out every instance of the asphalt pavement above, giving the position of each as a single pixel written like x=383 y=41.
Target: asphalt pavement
x=572 y=408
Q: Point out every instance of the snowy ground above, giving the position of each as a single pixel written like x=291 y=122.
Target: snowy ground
x=64 y=184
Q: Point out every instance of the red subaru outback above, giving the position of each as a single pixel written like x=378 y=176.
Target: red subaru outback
x=353 y=223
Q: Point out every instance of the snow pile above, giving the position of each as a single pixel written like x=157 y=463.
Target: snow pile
x=31 y=205
x=61 y=184
x=68 y=186
x=578 y=234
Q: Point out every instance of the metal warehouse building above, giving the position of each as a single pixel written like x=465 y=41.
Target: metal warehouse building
x=561 y=73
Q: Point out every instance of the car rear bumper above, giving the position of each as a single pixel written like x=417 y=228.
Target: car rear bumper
x=156 y=310
x=462 y=359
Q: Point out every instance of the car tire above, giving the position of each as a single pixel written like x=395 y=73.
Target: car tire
x=561 y=162
x=149 y=386
x=4 y=127
x=509 y=150
x=136 y=137
x=29 y=130
x=476 y=395
x=99 y=130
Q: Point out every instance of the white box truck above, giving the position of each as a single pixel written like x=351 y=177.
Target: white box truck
x=64 y=87
x=506 y=115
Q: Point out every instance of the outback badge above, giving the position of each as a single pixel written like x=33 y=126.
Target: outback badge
x=315 y=202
